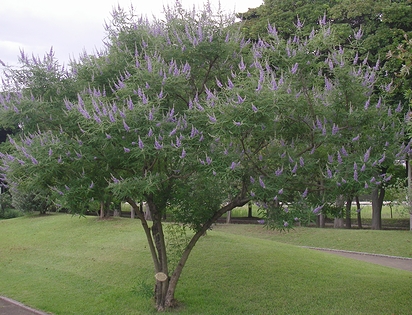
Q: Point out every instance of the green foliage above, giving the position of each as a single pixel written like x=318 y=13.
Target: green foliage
x=143 y=289
x=31 y=201
x=6 y=208
x=176 y=242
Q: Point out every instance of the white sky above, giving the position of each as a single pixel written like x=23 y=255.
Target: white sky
x=72 y=26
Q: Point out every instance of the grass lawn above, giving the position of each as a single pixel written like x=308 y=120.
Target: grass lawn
x=386 y=242
x=71 y=265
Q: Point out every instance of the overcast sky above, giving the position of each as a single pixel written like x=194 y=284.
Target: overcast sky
x=71 y=27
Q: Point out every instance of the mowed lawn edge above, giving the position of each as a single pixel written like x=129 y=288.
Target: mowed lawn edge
x=69 y=265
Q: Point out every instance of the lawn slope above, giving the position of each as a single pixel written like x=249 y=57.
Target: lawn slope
x=71 y=265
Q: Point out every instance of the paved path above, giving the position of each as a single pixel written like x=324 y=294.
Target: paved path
x=11 y=307
x=403 y=263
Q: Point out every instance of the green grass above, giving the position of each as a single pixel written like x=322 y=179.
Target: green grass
x=397 y=212
x=386 y=242
x=71 y=265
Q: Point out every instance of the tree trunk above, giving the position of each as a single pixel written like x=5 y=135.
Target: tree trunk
x=322 y=220
x=348 y=224
x=228 y=216
x=165 y=286
x=117 y=210
x=170 y=300
x=358 y=212
x=378 y=195
x=132 y=213
x=104 y=209
x=249 y=212
x=338 y=222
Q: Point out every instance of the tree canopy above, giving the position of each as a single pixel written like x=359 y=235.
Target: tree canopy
x=194 y=119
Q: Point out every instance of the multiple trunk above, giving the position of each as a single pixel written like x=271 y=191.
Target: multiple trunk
x=165 y=287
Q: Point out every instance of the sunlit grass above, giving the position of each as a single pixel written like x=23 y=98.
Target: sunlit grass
x=71 y=265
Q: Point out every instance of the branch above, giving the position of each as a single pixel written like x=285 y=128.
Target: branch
x=147 y=232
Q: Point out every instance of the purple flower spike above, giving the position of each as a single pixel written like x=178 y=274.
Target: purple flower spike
x=358 y=35
x=285 y=224
x=280 y=191
x=355 y=175
x=294 y=68
x=230 y=84
x=157 y=145
x=254 y=108
x=126 y=150
x=329 y=172
x=34 y=161
x=212 y=118
x=335 y=129
x=367 y=104
x=252 y=180
x=240 y=100
x=261 y=183
x=301 y=162
x=279 y=171
x=141 y=145
x=367 y=155
x=399 y=108
x=356 y=138
x=317 y=209
x=305 y=193
x=126 y=127
x=340 y=161
x=295 y=168
x=182 y=156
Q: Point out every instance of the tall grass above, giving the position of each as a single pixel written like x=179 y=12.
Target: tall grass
x=70 y=265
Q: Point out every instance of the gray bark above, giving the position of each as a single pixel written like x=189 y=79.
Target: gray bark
x=378 y=195
x=338 y=222
x=348 y=224
x=358 y=211
x=322 y=220
x=229 y=216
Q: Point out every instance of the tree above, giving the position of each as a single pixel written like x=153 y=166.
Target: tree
x=197 y=122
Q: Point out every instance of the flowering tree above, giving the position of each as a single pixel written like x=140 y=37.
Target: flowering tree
x=191 y=118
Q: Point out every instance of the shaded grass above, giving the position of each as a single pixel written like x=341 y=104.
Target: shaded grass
x=69 y=265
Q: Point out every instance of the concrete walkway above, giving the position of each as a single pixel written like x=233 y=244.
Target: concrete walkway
x=403 y=263
x=12 y=307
